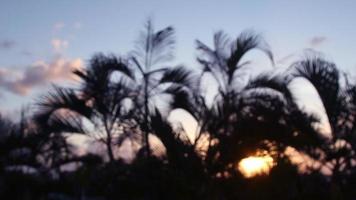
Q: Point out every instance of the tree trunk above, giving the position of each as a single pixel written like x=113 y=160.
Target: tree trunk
x=110 y=153
x=108 y=140
x=146 y=127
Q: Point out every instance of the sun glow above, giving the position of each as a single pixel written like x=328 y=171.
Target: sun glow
x=255 y=165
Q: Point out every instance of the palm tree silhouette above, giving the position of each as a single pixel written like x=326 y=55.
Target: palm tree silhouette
x=97 y=103
x=338 y=99
x=224 y=63
x=114 y=106
x=245 y=117
x=154 y=48
x=131 y=98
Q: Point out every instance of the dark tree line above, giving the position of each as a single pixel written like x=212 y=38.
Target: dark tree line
x=128 y=100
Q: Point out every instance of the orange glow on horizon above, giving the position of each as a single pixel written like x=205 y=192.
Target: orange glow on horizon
x=255 y=165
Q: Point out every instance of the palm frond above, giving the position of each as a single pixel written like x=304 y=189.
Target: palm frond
x=182 y=99
x=245 y=42
x=61 y=98
x=179 y=150
x=278 y=83
x=154 y=47
x=96 y=78
x=321 y=73
x=177 y=75
x=67 y=124
x=324 y=76
x=221 y=43
x=306 y=135
x=226 y=58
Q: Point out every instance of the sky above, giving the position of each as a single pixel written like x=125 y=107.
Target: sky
x=42 y=41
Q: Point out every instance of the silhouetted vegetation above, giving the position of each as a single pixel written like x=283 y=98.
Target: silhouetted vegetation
x=123 y=107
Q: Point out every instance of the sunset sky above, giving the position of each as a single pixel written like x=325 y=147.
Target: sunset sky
x=42 y=41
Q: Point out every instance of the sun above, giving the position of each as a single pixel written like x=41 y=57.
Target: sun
x=255 y=165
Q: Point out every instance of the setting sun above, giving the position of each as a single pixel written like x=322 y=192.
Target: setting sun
x=255 y=165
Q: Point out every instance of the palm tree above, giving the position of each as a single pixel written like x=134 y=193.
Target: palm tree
x=339 y=101
x=98 y=103
x=244 y=117
x=153 y=49
x=223 y=62
x=114 y=97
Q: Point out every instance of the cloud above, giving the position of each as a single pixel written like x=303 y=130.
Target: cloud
x=317 y=41
x=58 y=26
x=7 y=44
x=38 y=74
x=59 y=45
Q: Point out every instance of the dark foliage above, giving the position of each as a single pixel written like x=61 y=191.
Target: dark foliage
x=123 y=106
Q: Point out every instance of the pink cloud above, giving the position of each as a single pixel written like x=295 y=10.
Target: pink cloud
x=39 y=74
x=58 y=26
x=59 y=45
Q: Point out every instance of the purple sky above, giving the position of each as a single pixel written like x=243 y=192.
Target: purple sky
x=42 y=41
